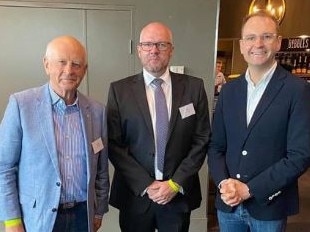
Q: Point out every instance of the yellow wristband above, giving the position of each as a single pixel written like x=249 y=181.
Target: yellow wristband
x=13 y=222
x=175 y=187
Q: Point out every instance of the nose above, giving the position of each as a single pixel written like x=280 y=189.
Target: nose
x=259 y=41
x=154 y=48
x=68 y=68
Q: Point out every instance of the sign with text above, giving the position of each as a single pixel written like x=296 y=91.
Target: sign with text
x=295 y=44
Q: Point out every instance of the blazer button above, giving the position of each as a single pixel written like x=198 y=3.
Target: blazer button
x=58 y=184
x=54 y=210
x=244 y=152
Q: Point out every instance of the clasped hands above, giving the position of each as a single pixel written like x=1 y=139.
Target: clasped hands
x=233 y=192
x=160 y=192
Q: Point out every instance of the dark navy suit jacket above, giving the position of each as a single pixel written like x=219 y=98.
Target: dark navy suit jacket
x=271 y=152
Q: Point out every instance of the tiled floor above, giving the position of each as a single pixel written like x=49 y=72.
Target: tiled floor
x=297 y=223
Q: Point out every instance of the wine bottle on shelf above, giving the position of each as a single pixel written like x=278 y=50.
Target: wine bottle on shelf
x=304 y=65
x=288 y=62
x=299 y=64
x=282 y=59
x=294 y=66
x=308 y=69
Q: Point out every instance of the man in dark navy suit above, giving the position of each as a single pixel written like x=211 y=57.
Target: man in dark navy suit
x=261 y=136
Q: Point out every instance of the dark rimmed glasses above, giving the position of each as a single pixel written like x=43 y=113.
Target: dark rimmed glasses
x=161 y=46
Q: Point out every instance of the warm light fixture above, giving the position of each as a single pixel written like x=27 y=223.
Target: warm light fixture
x=275 y=7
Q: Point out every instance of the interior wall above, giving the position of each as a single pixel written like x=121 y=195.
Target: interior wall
x=194 y=25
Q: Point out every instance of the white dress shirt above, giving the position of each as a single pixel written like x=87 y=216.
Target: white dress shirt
x=255 y=92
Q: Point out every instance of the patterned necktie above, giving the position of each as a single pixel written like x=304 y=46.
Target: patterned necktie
x=162 y=123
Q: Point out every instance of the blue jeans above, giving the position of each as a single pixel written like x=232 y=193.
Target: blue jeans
x=72 y=220
x=241 y=221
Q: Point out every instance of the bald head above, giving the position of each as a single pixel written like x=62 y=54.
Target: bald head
x=68 y=43
x=156 y=30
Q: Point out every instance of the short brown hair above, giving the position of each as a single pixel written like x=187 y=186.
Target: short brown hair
x=261 y=13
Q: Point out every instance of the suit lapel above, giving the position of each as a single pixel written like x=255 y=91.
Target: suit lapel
x=271 y=91
x=86 y=120
x=177 y=93
x=44 y=107
x=138 y=90
x=241 y=95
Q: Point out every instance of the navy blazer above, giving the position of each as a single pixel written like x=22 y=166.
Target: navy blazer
x=271 y=152
x=132 y=147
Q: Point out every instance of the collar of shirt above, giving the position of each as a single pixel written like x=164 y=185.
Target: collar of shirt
x=57 y=100
x=148 y=78
x=264 y=80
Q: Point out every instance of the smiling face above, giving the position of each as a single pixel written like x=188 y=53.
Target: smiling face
x=260 y=42
x=155 y=60
x=65 y=64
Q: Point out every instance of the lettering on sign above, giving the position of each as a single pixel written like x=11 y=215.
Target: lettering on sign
x=295 y=44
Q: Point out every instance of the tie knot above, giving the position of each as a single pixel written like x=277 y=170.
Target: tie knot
x=157 y=82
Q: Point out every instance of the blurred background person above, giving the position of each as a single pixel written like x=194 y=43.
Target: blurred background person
x=219 y=77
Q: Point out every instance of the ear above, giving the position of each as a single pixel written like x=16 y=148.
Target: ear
x=139 y=51
x=46 y=65
x=279 y=41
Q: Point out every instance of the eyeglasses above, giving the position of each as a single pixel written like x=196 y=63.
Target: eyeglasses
x=267 y=38
x=161 y=46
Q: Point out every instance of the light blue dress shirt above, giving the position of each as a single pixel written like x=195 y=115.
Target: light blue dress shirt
x=71 y=149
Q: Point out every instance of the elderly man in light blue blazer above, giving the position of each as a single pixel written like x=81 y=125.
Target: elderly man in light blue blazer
x=53 y=153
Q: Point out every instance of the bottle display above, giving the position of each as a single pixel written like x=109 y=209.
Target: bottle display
x=304 y=65
x=294 y=56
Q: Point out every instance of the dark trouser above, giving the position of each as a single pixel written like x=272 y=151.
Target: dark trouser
x=72 y=219
x=156 y=217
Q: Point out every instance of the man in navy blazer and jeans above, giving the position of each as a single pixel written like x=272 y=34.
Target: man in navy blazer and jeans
x=261 y=136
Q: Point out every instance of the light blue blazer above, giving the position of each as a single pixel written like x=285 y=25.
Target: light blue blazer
x=30 y=182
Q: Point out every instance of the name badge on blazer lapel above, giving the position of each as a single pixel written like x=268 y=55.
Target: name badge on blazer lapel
x=97 y=145
x=187 y=110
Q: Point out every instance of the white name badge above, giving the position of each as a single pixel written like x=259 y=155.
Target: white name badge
x=97 y=145
x=187 y=110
